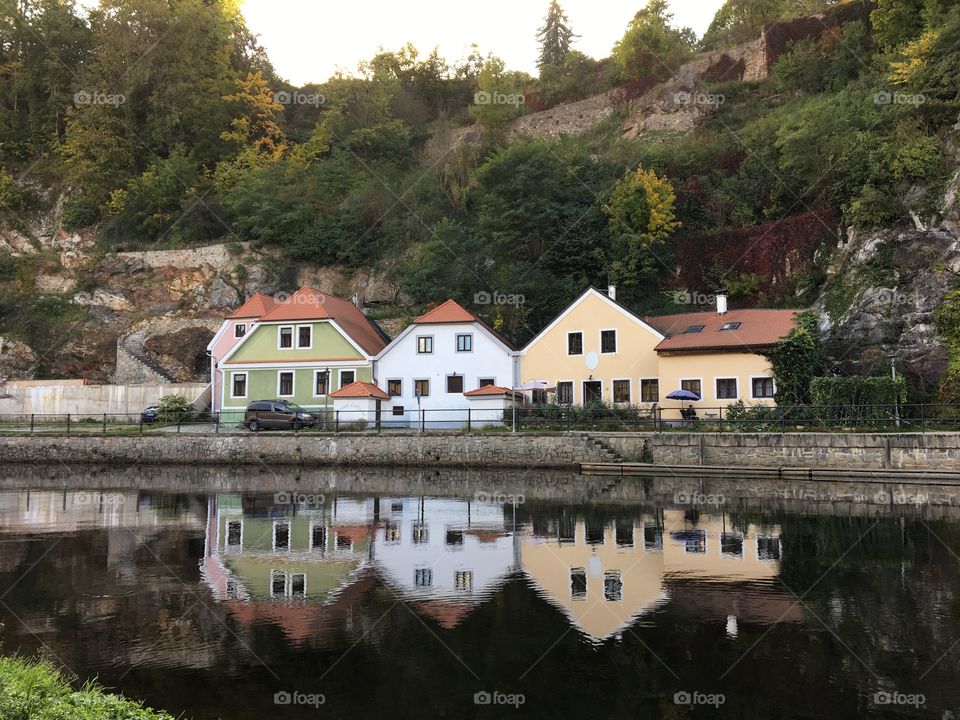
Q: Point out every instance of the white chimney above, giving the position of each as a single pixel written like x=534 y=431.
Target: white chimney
x=722 y=302
x=612 y=292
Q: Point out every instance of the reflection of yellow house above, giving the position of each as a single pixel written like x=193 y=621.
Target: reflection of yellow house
x=595 y=349
x=604 y=577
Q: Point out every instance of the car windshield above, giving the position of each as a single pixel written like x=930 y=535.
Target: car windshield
x=295 y=408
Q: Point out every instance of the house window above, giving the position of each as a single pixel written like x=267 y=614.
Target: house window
x=454 y=537
x=285 y=384
x=344 y=542
x=239 y=330
x=421 y=388
x=624 y=534
x=347 y=377
x=320 y=382
x=565 y=393
x=278 y=583
x=593 y=534
x=650 y=390
x=394 y=388
x=281 y=536
x=730 y=326
x=484 y=382
x=238 y=388
x=425 y=345
x=464 y=343
x=612 y=586
x=298 y=585
x=575 y=343
x=578 y=584
x=608 y=341
x=454 y=383
x=763 y=387
x=423 y=577
x=621 y=391
x=726 y=388
x=731 y=544
x=286 y=338
x=234 y=533
x=305 y=336
x=693 y=329
x=391 y=533
x=421 y=534
x=539 y=397
x=463 y=580
x=692 y=386
x=398 y=411
x=768 y=548
x=318 y=537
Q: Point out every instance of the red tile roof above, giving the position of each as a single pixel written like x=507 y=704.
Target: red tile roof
x=256 y=306
x=490 y=391
x=360 y=390
x=759 y=329
x=309 y=304
x=449 y=312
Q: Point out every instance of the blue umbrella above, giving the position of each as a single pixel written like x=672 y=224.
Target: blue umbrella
x=683 y=395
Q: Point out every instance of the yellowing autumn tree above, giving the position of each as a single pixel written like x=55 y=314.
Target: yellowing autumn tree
x=256 y=127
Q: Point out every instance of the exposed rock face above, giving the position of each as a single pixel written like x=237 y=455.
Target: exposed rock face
x=17 y=360
x=183 y=353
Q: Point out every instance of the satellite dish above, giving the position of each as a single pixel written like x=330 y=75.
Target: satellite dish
x=592 y=360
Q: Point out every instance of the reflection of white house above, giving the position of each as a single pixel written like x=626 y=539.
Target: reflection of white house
x=433 y=365
x=67 y=511
x=444 y=556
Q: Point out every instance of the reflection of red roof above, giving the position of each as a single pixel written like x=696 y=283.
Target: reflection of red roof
x=256 y=306
x=309 y=304
x=360 y=390
x=490 y=391
x=758 y=329
x=486 y=536
x=354 y=532
x=449 y=312
x=447 y=614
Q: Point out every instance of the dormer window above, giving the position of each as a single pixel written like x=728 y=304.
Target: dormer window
x=730 y=326
x=693 y=329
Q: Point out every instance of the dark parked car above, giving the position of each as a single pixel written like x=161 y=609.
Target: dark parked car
x=151 y=414
x=278 y=415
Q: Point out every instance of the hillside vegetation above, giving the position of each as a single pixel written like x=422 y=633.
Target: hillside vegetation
x=161 y=123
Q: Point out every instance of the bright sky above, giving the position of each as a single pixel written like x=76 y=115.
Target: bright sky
x=308 y=40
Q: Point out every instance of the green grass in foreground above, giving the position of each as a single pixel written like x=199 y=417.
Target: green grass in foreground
x=33 y=690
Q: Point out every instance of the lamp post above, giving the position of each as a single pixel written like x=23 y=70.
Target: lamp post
x=893 y=374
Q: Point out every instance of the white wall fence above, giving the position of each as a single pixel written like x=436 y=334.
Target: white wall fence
x=80 y=400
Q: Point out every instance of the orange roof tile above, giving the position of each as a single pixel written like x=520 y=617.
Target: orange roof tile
x=449 y=312
x=360 y=390
x=309 y=304
x=758 y=329
x=447 y=614
x=256 y=306
x=490 y=391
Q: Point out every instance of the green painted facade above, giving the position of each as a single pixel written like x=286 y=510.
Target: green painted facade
x=262 y=346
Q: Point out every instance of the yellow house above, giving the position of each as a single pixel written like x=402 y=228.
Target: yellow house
x=595 y=349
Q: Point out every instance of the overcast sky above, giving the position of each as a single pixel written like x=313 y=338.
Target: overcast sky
x=308 y=40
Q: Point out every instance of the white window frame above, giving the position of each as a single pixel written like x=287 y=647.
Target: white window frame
x=293 y=383
x=353 y=371
x=583 y=344
x=316 y=374
x=296 y=339
x=573 y=392
x=432 y=344
x=457 y=342
x=290 y=577
x=763 y=377
x=326 y=535
x=640 y=391
x=226 y=535
x=246 y=385
x=289 y=535
x=700 y=379
x=716 y=395
x=239 y=328
x=286 y=582
x=293 y=336
x=629 y=382
x=616 y=341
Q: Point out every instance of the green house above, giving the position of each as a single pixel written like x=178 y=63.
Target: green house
x=300 y=351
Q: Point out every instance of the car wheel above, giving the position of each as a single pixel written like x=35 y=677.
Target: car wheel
x=254 y=426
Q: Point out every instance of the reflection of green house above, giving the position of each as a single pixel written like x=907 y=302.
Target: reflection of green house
x=299 y=351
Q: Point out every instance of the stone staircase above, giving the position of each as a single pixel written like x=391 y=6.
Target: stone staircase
x=608 y=453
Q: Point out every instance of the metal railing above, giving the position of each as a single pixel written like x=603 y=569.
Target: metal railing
x=542 y=418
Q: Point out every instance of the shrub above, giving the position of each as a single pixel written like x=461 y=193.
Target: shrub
x=174 y=408
x=856 y=398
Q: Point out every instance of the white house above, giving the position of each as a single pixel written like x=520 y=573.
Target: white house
x=431 y=367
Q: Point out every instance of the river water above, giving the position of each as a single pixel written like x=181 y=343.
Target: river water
x=433 y=595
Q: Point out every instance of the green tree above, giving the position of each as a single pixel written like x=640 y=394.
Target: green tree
x=652 y=47
x=499 y=97
x=796 y=360
x=555 y=37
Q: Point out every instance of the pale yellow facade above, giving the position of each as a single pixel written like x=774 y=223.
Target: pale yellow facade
x=708 y=368
x=548 y=358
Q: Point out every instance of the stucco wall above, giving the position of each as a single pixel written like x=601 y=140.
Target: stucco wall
x=91 y=400
x=708 y=368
